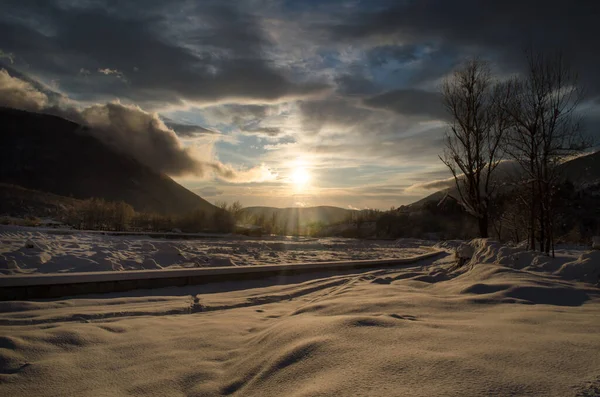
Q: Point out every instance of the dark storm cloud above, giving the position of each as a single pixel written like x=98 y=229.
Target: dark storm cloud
x=332 y=111
x=504 y=28
x=127 y=128
x=355 y=84
x=202 y=52
x=241 y=114
x=249 y=119
x=384 y=58
x=409 y=102
x=417 y=149
x=381 y=118
x=348 y=130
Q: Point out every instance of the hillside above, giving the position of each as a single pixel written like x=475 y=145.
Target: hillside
x=54 y=155
x=583 y=170
x=577 y=208
x=434 y=197
x=16 y=200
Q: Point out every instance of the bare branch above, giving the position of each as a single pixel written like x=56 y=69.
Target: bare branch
x=473 y=142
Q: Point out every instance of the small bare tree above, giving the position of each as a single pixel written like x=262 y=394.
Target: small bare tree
x=236 y=210
x=473 y=143
x=544 y=130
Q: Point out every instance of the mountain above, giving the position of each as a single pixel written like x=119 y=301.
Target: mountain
x=434 y=197
x=583 y=170
x=55 y=155
x=17 y=200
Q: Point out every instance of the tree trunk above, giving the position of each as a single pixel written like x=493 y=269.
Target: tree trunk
x=552 y=240
x=532 y=219
x=550 y=221
x=550 y=232
x=542 y=229
x=483 y=226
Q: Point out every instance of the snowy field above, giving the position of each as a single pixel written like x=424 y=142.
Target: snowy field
x=509 y=322
x=29 y=251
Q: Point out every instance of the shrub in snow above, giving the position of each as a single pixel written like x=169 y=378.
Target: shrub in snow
x=596 y=242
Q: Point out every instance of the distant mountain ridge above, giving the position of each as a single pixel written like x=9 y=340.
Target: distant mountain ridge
x=51 y=154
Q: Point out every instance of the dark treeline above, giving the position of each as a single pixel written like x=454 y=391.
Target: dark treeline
x=99 y=214
x=576 y=214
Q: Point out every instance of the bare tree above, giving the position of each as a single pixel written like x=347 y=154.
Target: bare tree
x=122 y=213
x=236 y=210
x=544 y=130
x=473 y=143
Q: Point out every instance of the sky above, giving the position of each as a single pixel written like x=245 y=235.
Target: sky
x=278 y=102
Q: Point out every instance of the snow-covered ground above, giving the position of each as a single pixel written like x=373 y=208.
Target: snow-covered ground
x=509 y=322
x=30 y=250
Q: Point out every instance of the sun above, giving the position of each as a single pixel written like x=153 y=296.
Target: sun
x=300 y=177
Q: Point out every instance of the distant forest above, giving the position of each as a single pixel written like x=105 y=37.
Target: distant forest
x=577 y=214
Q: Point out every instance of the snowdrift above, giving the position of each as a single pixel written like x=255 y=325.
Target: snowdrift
x=506 y=323
x=578 y=265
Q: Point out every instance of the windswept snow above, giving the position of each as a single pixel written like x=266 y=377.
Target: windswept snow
x=30 y=251
x=508 y=322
